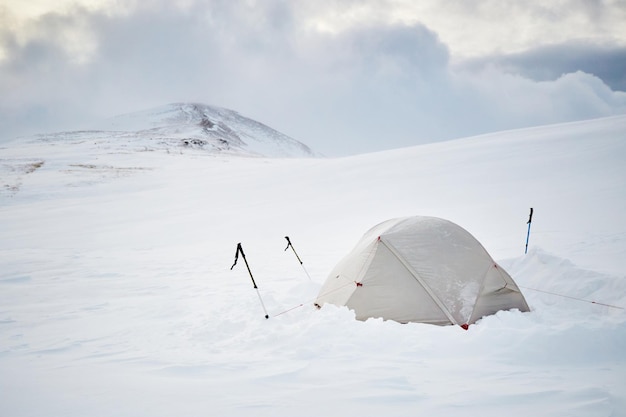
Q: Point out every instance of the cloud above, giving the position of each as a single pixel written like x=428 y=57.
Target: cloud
x=369 y=87
x=548 y=63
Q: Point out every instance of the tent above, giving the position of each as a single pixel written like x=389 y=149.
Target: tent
x=421 y=269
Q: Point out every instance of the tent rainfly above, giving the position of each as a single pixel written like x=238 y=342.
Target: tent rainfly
x=421 y=269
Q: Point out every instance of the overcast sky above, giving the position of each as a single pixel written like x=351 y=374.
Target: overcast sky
x=342 y=76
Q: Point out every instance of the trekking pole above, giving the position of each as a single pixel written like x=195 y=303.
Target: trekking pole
x=296 y=253
x=530 y=219
x=243 y=255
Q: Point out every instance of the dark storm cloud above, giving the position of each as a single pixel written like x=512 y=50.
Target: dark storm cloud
x=550 y=62
x=368 y=88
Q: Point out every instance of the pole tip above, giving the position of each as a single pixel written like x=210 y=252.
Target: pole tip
x=267 y=316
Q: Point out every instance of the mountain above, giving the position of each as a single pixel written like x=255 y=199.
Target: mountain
x=180 y=126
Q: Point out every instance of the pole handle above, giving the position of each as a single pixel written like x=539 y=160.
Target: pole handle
x=239 y=249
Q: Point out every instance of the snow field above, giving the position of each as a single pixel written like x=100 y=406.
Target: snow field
x=117 y=298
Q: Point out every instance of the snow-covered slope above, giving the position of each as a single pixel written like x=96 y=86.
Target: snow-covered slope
x=188 y=125
x=117 y=298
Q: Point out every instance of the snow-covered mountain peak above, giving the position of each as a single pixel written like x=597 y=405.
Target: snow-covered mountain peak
x=174 y=114
x=192 y=125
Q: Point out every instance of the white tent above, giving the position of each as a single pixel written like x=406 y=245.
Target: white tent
x=421 y=269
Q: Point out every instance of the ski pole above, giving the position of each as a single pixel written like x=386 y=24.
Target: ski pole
x=296 y=253
x=243 y=255
x=530 y=219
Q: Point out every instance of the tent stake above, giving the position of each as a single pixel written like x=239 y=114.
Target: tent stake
x=530 y=219
x=296 y=253
x=243 y=255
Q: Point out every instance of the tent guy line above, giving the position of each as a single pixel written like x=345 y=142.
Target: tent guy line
x=358 y=284
x=573 y=298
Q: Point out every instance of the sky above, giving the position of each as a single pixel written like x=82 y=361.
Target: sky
x=344 y=77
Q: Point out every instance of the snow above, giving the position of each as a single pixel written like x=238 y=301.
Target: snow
x=117 y=298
